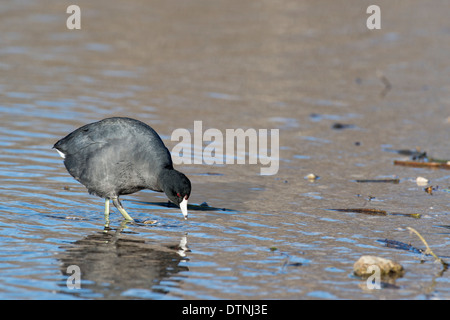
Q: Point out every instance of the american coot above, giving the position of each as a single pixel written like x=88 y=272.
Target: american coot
x=117 y=156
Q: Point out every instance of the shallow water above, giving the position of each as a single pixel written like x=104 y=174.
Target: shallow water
x=299 y=68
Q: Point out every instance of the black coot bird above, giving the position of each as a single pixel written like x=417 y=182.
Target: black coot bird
x=117 y=156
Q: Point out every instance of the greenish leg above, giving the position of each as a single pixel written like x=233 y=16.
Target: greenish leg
x=118 y=205
x=106 y=212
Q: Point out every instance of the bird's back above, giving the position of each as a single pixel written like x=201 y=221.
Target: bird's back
x=115 y=155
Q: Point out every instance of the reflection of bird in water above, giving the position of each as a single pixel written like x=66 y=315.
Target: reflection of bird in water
x=112 y=263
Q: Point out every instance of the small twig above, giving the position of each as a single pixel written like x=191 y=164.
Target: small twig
x=378 y=180
x=417 y=164
x=428 y=251
x=378 y=212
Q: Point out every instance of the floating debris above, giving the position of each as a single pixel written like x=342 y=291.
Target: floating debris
x=364 y=267
x=378 y=212
x=428 y=251
x=294 y=264
x=418 y=164
x=387 y=84
x=420 y=159
x=421 y=181
x=368 y=198
x=430 y=189
x=395 y=180
x=210 y=174
x=400 y=245
x=312 y=177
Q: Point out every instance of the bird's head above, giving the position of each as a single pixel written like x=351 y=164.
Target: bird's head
x=179 y=190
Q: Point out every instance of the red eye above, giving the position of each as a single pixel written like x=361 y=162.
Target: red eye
x=178 y=195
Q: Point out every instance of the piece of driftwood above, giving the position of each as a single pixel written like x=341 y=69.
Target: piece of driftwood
x=400 y=245
x=418 y=164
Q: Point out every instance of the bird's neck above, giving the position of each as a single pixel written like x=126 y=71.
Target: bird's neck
x=165 y=177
